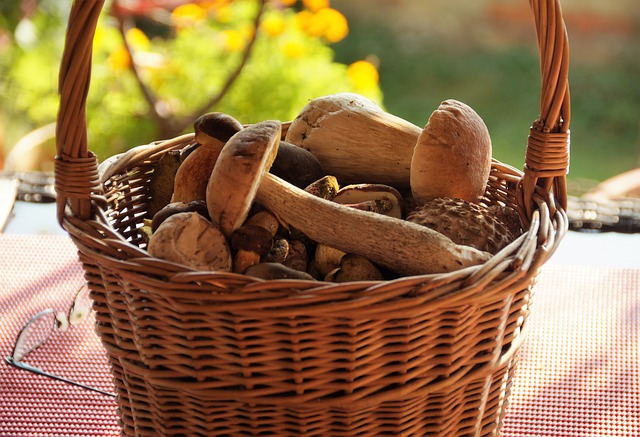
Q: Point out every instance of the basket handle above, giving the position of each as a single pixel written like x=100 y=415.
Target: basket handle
x=546 y=158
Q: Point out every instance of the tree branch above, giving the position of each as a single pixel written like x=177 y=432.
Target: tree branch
x=233 y=76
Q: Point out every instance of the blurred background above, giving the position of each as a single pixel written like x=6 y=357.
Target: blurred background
x=159 y=64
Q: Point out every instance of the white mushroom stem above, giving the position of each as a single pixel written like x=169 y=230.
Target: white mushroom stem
x=403 y=247
x=356 y=140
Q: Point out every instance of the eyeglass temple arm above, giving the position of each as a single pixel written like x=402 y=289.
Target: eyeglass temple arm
x=24 y=366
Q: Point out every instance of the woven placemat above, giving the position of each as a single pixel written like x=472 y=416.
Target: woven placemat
x=40 y=272
x=578 y=373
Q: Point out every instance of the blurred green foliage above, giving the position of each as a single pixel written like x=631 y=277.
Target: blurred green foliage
x=183 y=66
x=289 y=65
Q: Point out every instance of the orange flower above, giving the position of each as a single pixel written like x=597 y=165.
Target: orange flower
x=187 y=15
x=119 y=60
x=326 y=23
x=315 y=5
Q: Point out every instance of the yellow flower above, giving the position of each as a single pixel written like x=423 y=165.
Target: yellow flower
x=315 y=5
x=137 y=40
x=293 y=49
x=273 y=25
x=288 y=2
x=187 y=15
x=326 y=23
x=119 y=60
x=232 y=40
x=336 y=24
x=363 y=75
x=224 y=14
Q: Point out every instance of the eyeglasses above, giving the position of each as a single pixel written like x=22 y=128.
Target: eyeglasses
x=41 y=327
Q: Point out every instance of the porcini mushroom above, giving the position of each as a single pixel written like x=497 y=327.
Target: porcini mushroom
x=250 y=243
x=452 y=157
x=212 y=131
x=296 y=165
x=177 y=207
x=355 y=140
x=354 y=268
x=381 y=198
x=240 y=166
x=162 y=181
x=486 y=228
x=190 y=239
x=273 y=271
x=326 y=187
x=241 y=175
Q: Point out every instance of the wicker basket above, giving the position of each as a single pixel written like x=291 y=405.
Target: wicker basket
x=195 y=353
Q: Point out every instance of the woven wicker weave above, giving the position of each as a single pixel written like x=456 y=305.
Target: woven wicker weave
x=195 y=353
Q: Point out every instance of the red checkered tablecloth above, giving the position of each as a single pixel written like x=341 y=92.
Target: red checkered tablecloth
x=578 y=373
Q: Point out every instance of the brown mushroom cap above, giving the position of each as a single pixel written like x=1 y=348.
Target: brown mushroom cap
x=177 y=207
x=296 y=165
x=236 y=176
x=274 y=271
x=326 y=187
x=251 y=238
x=452 y=157
x=212 y=131
x=354 y=268
x=215 y=127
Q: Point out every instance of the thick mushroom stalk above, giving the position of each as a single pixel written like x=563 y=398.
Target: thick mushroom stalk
x=355 y=140
x=401 y=246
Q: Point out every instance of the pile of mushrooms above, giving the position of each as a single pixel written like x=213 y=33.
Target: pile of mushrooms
x=349 y=193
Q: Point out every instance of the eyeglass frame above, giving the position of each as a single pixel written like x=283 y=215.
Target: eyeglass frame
x=20 y=364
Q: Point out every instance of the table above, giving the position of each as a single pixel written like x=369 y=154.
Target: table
x=578 y=374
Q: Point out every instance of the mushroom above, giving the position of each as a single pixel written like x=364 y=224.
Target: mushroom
x=354 y=268
x=250 y=243
x=296 y=165
x=355 y=140
x=272 y=271
x=372 y=197
x=297 y=256
x=241 y=176
x=265 y=219
x=486 y=228
x=452 y=157
x=212 y=131
x=326 y=259
x=234 y=180
x=326 y=187
x=279 y=251
x=161 y=182
x=190 y=239
x=177 y=207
